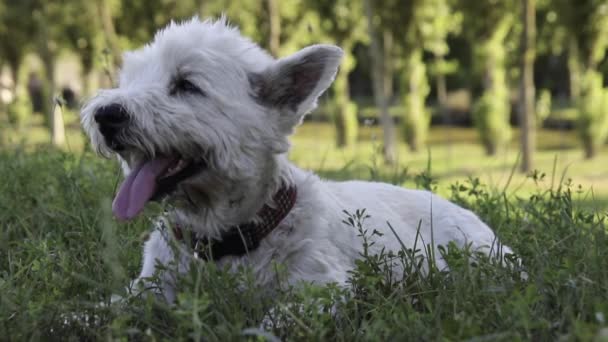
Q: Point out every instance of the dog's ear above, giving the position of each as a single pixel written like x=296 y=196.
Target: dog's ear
x=293 y=84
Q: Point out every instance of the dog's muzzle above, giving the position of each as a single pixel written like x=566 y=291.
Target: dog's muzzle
x=112 y=119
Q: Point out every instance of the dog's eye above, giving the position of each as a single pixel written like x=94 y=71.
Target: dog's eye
x=185 y=86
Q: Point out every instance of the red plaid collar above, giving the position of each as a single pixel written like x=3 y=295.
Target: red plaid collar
x=244 y=238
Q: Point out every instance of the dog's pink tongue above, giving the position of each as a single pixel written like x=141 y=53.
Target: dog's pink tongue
x=138 y=188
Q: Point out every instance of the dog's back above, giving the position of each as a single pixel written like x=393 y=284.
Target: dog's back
x=418 y=217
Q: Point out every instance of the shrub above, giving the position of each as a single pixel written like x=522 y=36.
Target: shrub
x=344 y=115
x=417 y=119
x=19 y=110
x=593 y=112
x=491 y=117
x=543 y=106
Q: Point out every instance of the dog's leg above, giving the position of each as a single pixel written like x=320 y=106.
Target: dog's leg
x=164 y=261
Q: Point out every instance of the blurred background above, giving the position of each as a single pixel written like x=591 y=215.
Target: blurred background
x=510 y=91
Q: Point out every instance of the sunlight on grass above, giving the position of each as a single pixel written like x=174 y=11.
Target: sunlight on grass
x=453 y=151
x=454 y=155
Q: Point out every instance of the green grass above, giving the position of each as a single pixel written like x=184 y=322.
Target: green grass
x=61 y=254
x=454 y=153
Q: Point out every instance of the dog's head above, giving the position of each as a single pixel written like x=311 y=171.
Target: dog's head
x=201 y=114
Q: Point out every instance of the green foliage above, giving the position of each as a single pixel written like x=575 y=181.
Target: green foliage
x=435 y=20
x=492 y=110
x=493 y=13
x=586 y=23
x=341 y=22
x=18 y=111
x=417 y=26
x=491 y=117
x=344 y=116
x=543 y=106
x=593 y=112
x=490 y=36
x=15 y=33
x=417 y=119
x=578 y=28
x=586 y=26
x=136 y=21
x=62 y=258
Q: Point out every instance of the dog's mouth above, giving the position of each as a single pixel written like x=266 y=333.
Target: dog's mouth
x=152 y=180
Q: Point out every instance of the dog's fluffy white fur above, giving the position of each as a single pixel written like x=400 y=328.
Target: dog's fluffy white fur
x=246 y=106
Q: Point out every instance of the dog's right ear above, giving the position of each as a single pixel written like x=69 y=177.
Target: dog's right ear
x=293 y=84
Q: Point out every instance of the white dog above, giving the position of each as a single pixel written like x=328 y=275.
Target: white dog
x=201 y=120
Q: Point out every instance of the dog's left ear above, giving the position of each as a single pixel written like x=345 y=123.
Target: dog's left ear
x=293 y=84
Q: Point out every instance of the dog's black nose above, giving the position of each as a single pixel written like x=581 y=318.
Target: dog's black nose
x=112 y=115
x=112 y=119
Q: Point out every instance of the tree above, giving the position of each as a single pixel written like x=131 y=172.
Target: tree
x=382 y=82
x=527 y=118
x=404 y=18
x=586 y=24
x=16 y=34
x=274 y=36
x=443 y=20
x=47 y=47
x=57 y=26
x=85 y=36
x=105 y=10
x=418 y=26
x=342 y=22
x=16 y=39
x=492 y=110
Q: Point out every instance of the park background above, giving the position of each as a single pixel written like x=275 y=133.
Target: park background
x=499 y=105
x=475 y=88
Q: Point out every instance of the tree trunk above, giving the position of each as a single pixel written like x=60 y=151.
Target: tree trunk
x=526 y=98
x=274 y=38
x=492 y=110
x=48 y=52
x=58 y=126
x=344 y=110
x=442 y=93
x=111 y=37
x=89 y=82
x=379 y=80
x=590 y=149
x=14 y=65
x=388 y=67
x=574 y=70
x=442 y=102
x=416 y=121
x=53 y=110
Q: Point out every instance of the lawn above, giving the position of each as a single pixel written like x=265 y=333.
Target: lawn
x=453 y=154
x=62 y=256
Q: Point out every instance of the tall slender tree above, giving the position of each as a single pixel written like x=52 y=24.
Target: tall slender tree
x=527 y=117
x=274 y=36
x=492 y=110
x=586 y=24
x=17 y=38
x=443 y=20
x=381 y=82
x=342 y=21
x=51 y=20
x=105 y=10
x=418 y=26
